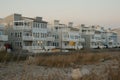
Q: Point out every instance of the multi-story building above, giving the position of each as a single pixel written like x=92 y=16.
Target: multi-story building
x=3 y=37
x=66 y=36
x=27 y=33
x=117 y=31
x=95 y=36
x=98 y=37
x=111 y=38
x=35 y=35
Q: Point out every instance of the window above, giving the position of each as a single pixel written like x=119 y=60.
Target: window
x=0 y=32
x=20 y=34
x=38 y=25
x=56 y=28
x=11 y=34
x=41 y=25
x=16 y=23
x=15 y=34
x=33 y=34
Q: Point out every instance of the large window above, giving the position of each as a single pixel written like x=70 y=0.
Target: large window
x=0 y=32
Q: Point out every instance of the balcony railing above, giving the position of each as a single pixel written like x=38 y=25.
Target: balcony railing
x=88 y=33
x=82 y=40
x=72 y=47
x=65 y=39
x=96 y=40
x=28 y=38
x=50 y=38
x=76 y=40
x=22 y=27
x=3 y=37
x=93 y=40
x=111 y=40
x=68 y=47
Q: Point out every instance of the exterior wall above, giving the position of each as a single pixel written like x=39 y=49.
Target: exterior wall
x=92 y=35
x=15 y=38
x=26 y=33
x=87 y=38
x=118 y=36
x=3 y=37
x=65 y=35
x=34 y=35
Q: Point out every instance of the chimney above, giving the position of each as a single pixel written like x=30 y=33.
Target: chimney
x=17 y=16
x=82 y=25
x=38 y=18
x=56 y=22
x=70 y=24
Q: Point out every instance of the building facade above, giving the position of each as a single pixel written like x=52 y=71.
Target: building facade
x=27 y=33
x=98 y=37
x=66 y=36
x=3 y=37
x=36 y=35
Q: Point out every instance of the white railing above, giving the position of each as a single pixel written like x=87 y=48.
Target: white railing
x=93 y=40
x=88 y=33
x=111 y=40
x=93 y=46
x=29 y=48
x=103 y=40
x=37 y=49
x=72 y=47
x=75 y=40
x=49 y=47
x=32 y=48
x=82 y=40
x=27 y=38
x=3 y=37
x=22 y=27
x=50 y=38
x=65 y=39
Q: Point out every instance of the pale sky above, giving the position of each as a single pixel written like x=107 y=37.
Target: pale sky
x=101 y=12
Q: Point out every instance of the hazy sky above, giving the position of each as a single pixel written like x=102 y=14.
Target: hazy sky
x=101 y=12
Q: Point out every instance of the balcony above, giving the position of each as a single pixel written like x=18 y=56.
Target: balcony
x=50 y=38
x=93 y=46
x=49 y=47
x=96 y=40
x=68 y=47
x=65 y=39
x=34 y=49
x=3 y=37
x=111 y=41
x=22 y=28
x=88 y=33
x=28 y=38
x=76 y=40
x=93 y=40
x=82 y=40
x=103 y=40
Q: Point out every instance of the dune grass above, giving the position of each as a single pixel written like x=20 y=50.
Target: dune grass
x=62 y=61
x=69 y=60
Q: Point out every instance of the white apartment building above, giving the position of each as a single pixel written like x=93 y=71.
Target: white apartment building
x=3 y=37
x=28 y=33
x=110 y=38
x=117 y=30
x=98 y=37
x=36 y=35
x=66 y=37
